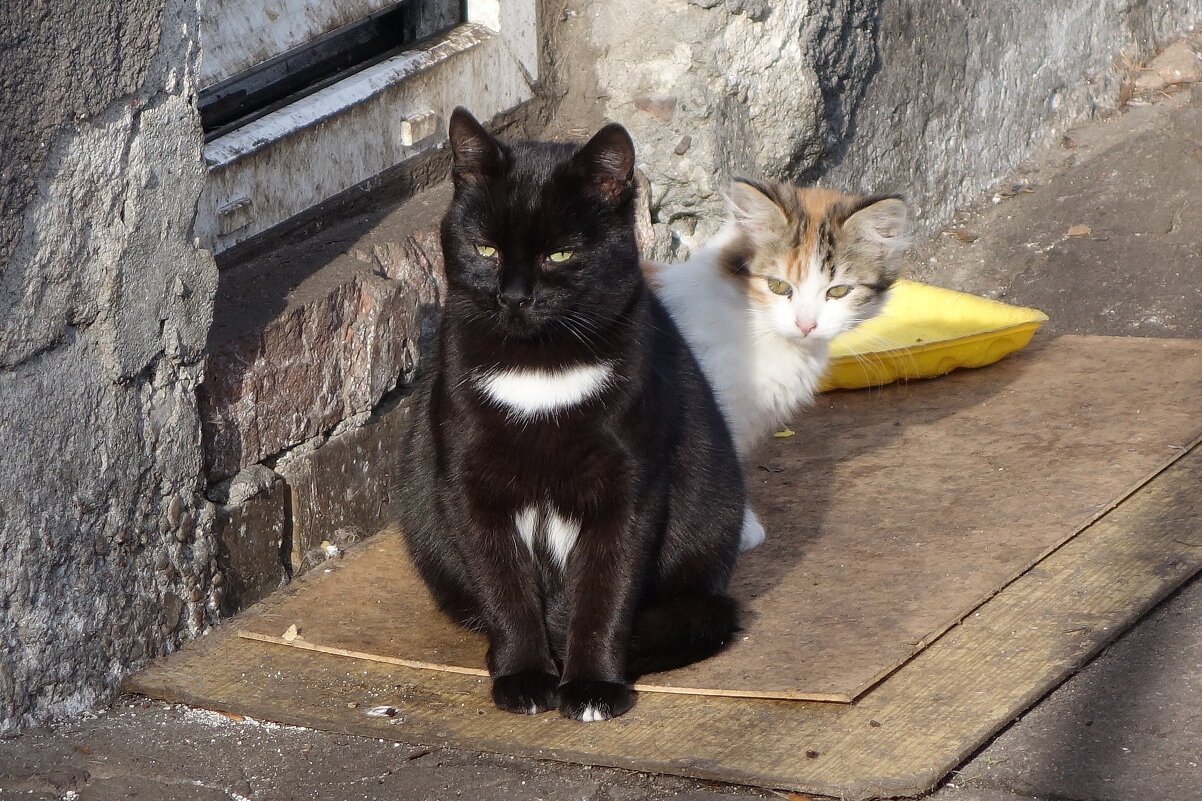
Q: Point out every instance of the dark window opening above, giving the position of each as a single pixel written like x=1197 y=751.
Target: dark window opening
x=323 y=61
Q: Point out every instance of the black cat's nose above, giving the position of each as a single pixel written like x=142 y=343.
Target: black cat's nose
x=514 y=300
x=516 y=292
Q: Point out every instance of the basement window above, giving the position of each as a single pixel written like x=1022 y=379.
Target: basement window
x=301 y=100
x=302 y=70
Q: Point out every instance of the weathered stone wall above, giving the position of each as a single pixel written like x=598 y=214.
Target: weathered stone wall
x=936 y=99
x=106 y=552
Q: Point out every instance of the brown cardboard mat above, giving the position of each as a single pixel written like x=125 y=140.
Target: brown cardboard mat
x=891 y=514
x=899 y=739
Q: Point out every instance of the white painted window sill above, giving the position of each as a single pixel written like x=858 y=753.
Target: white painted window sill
x=298 y=156
x=328 y=103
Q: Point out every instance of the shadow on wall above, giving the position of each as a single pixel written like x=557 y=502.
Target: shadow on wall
x=318 y=337
x=846 y=60
x=317 y=332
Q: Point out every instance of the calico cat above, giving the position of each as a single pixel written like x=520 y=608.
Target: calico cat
x=572 y=490
x=790 y=269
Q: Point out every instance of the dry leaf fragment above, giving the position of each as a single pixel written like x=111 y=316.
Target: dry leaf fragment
x=292 y=633
x=783 y=434
x=1125 y=93
x=1079 y=230
x=961 y=235
x=234 y=716
x=1015 y=189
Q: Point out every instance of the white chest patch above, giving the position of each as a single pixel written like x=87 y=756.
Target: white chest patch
x=531 y=393
x=545 y=524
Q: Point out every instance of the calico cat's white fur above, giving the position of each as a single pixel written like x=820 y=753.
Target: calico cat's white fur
x=791 y=269
x=759 y=376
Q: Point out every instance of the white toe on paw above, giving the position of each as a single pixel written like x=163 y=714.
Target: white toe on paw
x=592 y=714
x=753 y=532
x=533 y=710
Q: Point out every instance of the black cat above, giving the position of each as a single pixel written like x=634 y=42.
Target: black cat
x=571 y=489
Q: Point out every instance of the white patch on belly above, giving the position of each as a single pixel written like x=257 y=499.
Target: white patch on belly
x=530 y=393
x=556 y=532
x=560 y=533
x=526 y=522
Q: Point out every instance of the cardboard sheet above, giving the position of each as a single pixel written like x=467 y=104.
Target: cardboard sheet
x=899 y=739
x=891 y=514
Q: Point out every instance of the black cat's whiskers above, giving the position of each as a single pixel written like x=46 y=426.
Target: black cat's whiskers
x=578 y=324
x=571 y=327
x=586 y=331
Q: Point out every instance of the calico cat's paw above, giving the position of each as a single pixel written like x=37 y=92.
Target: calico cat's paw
x=753 y=531
x=589 y=701
x=527 y=693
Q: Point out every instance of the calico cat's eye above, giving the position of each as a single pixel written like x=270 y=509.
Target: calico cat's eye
x=780 y=287
x=487 y=251
x=838 y=291
x=560 y=256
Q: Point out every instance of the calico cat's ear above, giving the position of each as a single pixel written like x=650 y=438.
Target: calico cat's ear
x=607 y=162
x=476 y=156
x=755 y=212
x=883 y=221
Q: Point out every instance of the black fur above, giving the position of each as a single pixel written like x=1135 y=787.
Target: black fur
x=646 y=465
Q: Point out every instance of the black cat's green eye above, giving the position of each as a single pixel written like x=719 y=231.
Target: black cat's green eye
x=838 y=291
x=487 y=251
x=780 y=287
x=559 y=256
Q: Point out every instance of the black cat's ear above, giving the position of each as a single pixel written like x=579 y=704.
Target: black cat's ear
x=754 y=210
x=476 y=156
x=607 y=162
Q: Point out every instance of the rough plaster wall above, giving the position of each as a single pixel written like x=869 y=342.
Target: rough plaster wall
x=936 y=99
x=106 y=555
x=964 y=90
x=706 y=93
x=46 y=46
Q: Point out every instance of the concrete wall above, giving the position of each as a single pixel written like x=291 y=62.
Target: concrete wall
x=936 y=99
x=106 y=553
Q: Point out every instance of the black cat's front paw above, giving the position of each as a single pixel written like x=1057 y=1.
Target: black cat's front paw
x=526 y=693
x=589 y=701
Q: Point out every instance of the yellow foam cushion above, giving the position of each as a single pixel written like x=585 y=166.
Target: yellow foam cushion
x=925 y=331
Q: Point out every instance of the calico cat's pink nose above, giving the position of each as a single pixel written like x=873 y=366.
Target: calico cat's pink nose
x=806 y=326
